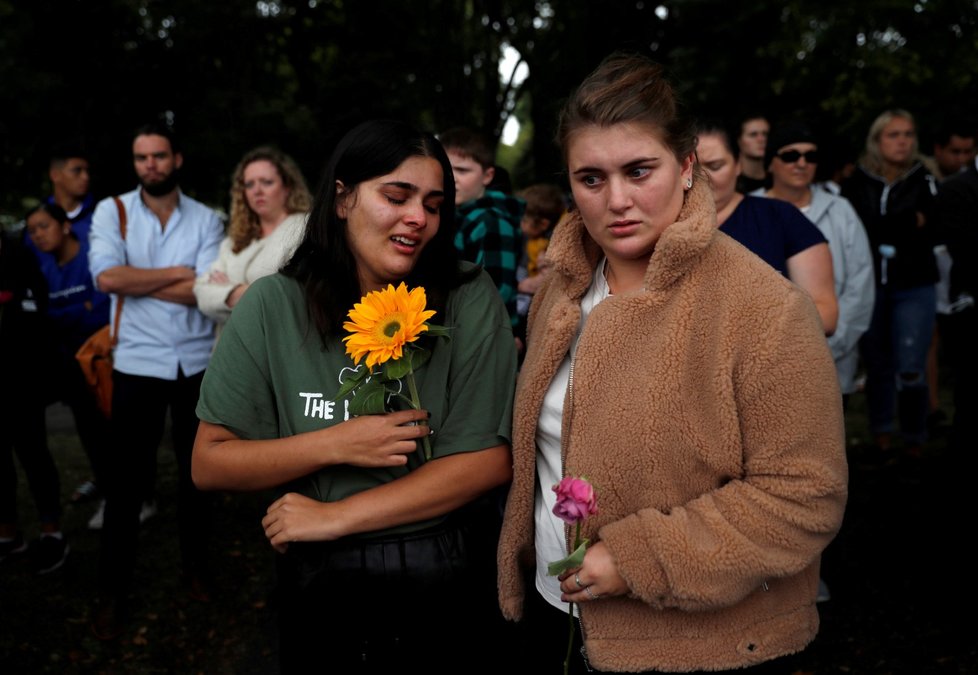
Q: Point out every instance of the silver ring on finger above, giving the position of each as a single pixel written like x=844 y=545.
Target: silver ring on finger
x=590 y=594
x=577 y=580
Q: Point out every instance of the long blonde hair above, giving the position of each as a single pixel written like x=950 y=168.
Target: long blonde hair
x=872 y=159
x=244 y=226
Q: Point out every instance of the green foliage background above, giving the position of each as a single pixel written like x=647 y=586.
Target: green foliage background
x=297 y=73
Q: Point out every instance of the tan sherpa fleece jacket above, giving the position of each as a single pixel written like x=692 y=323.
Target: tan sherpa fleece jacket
x=706 y=411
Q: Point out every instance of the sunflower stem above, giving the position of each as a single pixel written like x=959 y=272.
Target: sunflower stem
x=416 y=402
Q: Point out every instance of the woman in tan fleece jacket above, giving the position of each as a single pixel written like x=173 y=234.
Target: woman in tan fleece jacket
x=692 y=385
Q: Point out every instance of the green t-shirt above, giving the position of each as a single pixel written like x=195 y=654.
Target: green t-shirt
x=270 y=377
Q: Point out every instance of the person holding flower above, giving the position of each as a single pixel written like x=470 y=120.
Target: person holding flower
x=387 y=557
x=691 y=385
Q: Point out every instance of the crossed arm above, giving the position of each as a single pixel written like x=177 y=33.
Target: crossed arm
x=222 y=460
x=172 y=284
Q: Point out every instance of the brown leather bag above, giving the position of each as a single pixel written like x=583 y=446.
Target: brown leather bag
x=95 y=355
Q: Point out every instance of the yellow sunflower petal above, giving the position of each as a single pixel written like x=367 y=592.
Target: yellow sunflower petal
x=384 y=321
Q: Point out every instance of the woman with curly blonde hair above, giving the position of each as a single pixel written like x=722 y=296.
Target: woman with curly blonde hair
x=269 y=205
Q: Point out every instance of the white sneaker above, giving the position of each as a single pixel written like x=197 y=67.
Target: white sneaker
x=96 y=521
x=148 y=511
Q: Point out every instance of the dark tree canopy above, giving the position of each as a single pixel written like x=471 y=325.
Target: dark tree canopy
x=298 y=73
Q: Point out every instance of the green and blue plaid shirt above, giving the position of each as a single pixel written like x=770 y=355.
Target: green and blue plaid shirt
x=489 y=235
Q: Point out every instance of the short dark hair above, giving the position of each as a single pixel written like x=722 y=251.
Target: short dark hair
x=62 y=152
x=747 y=117
x=469 y=143
x=159 y=129
x=714 y=127
x=51 y=209
x=955 y=126
x=324 y=265
x=544 y=200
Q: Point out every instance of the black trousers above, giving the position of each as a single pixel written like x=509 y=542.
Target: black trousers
x=139 y=406
x=960 y=334
x=425 y=602
x=23 y=431
x=93 y=428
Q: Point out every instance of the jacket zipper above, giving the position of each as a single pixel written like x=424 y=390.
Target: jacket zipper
x=563 y=472
x=564 y=436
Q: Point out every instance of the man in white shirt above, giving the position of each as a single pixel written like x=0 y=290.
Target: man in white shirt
x=163 y=347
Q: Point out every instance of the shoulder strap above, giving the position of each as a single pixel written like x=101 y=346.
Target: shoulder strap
x=119 y=298
x=122 y=216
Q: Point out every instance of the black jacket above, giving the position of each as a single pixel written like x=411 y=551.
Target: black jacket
x=889 y=214
x=26 y=350
x=958 y=209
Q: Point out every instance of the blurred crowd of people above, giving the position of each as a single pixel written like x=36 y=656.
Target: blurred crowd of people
x=881 y=241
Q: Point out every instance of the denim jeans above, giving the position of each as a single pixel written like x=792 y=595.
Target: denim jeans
x=894 y=352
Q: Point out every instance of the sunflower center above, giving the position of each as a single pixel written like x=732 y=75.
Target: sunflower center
x=391 y=328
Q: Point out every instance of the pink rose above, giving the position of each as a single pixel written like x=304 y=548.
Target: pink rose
x=575 y=500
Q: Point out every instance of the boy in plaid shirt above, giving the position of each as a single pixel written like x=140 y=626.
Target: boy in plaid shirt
x=488 y=221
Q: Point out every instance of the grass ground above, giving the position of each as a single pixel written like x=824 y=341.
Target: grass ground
x=901 y=573
x=44 y=621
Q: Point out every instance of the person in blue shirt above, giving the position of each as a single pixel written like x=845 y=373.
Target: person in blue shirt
x=24 y=368
x=164 y=344
x=70 y=175
x=76 y=310
x=775 y=231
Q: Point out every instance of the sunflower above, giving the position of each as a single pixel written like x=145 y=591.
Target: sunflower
x=384 y=321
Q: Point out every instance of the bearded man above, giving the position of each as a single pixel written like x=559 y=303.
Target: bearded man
x=164 y=344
